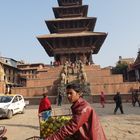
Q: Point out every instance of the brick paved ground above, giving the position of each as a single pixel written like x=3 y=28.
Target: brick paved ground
x=117 y=127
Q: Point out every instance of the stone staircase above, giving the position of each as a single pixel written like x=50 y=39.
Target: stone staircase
x=101 y=79
x=98 y=79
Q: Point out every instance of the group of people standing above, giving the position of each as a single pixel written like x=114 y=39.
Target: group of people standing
x=45 y=104
x=135 y=97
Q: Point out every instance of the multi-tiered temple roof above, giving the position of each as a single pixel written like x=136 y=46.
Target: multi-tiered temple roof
x=72 y=37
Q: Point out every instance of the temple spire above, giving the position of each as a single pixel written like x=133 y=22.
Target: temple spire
x=72 y=35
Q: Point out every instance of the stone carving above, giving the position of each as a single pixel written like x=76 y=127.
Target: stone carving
x=83 y=77
x=81 y=74
x=86 y=89
x=63 y=78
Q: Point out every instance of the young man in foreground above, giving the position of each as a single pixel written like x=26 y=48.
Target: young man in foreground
x=85 y=124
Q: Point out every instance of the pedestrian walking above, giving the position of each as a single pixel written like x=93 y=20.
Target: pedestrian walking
x=102 y=99
x=118 y=100
x=85 y=124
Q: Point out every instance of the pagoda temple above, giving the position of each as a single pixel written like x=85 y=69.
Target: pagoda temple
x=71 y=38
x=72 y=35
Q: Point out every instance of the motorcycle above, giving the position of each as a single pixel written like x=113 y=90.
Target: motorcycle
x=2 y=133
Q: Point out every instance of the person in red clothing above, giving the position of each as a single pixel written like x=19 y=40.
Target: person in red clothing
x=44 y=107
x=102 y=99
x=85 y=124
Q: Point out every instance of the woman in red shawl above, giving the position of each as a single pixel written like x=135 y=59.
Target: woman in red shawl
x=85 y=124
x=44 y=107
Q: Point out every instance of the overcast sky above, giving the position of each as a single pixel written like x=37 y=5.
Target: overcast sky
x=22 y=20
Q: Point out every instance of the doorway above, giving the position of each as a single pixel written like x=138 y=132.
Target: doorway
x=72 y=58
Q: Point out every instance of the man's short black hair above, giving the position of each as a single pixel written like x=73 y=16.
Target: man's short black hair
x=74 y=86
x=44 y=95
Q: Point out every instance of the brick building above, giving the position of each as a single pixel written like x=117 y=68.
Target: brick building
x=134 y=69
x=9 y=75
